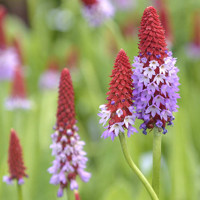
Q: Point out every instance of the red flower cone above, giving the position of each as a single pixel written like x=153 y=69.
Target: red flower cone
x=152 y=37
x=119 y=111
x=155 y=77
x=15 y=160
x=70 y=160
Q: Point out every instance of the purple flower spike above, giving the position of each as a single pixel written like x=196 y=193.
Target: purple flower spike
x=155 y=81
x=70 y=158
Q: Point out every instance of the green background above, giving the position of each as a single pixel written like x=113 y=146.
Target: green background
x=111 y=177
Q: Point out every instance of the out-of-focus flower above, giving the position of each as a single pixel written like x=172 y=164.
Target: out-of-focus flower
x=193 y=48
x=118 y=112
x=70 y=159
x=97 y=11
x=18 y=97
x=166 y=23
x=124 y=4
x=60 y=20
x=15 y=161
x=72 y=58
x=49 y=80
x=155 y=76
x=8 y=63
x=18 y=49
x=2 y=32
x=8 y=55
x=129 y=28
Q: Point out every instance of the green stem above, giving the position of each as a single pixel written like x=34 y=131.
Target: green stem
x=156 y=160
x=135 y=169
x=67 y=194
x=19 y=191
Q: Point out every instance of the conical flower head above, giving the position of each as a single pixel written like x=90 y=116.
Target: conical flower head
x=155 y=77
x=66 y=111
x=151 y=35
x=2 y=31
x=118 y=110
x=18 y=97
x=15 y=160
x=70 y=159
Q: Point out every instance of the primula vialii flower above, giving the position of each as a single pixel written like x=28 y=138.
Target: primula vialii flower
x=8 y=55
x=15 y=161
x=18 y=98
x=70 y=159
x=119 y=110
x=193 y=48
x=155 y=76
x=97 y=11
x=165 y=21
x=49 y=80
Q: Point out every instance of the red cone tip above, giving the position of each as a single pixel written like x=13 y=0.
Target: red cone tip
x=152 y=36
x=120 y=90
x=65 y=71
x=66 y=110
x=15 y=160
x=150 y=9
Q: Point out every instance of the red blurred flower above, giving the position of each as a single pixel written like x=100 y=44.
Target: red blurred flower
x=15 y=160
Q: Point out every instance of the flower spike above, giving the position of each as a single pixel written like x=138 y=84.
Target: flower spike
x=2 y=31
x=70 y=160
x=119 y=111
x=8 y=55
x=18 y=98
x=15 y=160
x=155 y=76
x=193 y=48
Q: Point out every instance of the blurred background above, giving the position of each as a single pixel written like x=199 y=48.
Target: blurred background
x=48 y=35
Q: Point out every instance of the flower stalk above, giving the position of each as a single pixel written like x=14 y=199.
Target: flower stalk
x=135 y=168
x=157 y=137
x=19 y=192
